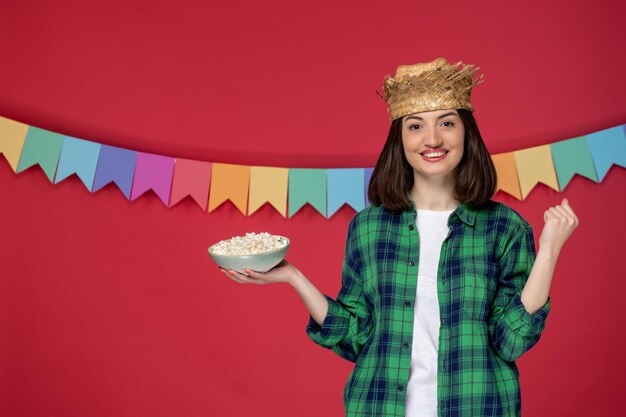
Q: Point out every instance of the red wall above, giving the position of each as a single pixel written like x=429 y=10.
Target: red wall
x=113 y=308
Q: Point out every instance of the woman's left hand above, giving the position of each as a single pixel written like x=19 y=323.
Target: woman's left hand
x=560 y=222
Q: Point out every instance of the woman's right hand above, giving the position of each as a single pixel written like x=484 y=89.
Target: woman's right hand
x=283 y=272
x=314 y=300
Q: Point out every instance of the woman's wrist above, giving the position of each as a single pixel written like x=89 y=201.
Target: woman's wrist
x=295 y=278
x=548 y=252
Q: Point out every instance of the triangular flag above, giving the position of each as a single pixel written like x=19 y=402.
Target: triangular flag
x=345 y=185
x=12 y=137
x=41 y=147
x=191 y=178
x=571 y=157
x=507 y=174
x=229 y=182
x=535 y=165
x=307 y=186
x=607 y=147
x=368 y=177
x=115 y=165
x=78 y=157
x=153 y=172
x=268 y=185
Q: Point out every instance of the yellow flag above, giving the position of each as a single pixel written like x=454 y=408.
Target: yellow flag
x=535 y=165
x=507 y=174
x=12 y=137
x=268 y=185
x=229 y=182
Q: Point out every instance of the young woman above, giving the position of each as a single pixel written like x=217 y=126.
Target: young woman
x=441 y=287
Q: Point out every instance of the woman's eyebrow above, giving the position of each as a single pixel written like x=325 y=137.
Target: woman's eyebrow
x=440 y=117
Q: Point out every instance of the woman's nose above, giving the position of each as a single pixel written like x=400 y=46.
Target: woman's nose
x=432 y=139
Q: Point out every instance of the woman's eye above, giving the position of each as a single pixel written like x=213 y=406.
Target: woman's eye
x=449 y=125
x=413 y=127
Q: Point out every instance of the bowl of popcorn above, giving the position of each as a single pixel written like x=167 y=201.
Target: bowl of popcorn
x=257 y=252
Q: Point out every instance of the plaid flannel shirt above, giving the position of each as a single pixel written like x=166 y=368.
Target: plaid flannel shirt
x=485 y=261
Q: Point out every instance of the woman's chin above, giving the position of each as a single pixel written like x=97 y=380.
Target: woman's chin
x=434 y=173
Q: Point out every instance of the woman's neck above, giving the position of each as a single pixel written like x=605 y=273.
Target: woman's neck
x=433 y=194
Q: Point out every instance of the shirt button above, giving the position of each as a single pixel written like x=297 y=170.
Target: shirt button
x=443 y=320
x=411 y=227
x=400 y=388
x=405 y=345
x=407 y=303
x=411 y=263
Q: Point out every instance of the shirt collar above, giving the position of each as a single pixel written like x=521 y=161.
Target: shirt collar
x=465 y=212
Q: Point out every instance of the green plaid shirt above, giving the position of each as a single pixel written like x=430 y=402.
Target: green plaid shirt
x=485 y=261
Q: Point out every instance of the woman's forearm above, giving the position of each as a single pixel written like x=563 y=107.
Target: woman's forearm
x=560 y=222
x=537 y=288
x=314 y=300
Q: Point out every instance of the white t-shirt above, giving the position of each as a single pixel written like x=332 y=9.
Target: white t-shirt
x=421 y=394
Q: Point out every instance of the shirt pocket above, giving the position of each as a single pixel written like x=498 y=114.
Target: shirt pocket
x=478 y=286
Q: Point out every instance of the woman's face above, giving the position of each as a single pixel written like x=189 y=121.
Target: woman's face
x=433 y=143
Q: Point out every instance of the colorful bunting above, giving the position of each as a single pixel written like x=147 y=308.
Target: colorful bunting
x=572 y=157
x=12 y=137
x=345 y=186
x=535 y=165
x=607 y=147
x=229 y=182
x=307 y=186
x=286 y=189
x=191 y=178
x=41 y=147
x=268 y=185
x=153 y=172
x=115 y=165
x=78 y=157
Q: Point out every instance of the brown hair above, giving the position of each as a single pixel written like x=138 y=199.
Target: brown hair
x=392 y=177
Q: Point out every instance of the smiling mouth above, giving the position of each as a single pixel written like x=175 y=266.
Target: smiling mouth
x=434 y=154
x=434 y=157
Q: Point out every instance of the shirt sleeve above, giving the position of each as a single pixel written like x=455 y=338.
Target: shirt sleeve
x=347 y=325
x=512 y=329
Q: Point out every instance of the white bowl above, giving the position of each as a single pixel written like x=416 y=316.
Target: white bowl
x=260 y=262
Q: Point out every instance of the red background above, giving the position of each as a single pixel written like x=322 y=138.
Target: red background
x=113 y=308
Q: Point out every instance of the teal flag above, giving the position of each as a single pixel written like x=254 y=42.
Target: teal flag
x=307 y=186
x=41 y=147
x=78 y=157
x=345 y=186
x=607 y=147
x=571 y=157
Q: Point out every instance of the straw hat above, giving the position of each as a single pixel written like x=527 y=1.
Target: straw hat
x=435 y=85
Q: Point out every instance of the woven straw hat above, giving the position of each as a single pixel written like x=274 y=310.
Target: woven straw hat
x=429 y=86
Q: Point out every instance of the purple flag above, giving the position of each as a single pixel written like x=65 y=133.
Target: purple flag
x=153 y=172
x=117 y=165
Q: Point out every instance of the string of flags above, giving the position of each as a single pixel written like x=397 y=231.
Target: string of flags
x=210 y=184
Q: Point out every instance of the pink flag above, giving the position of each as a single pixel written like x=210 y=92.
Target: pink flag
x=191 y=178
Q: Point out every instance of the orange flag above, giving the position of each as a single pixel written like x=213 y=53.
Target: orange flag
x=229 y=182
x=507 y=174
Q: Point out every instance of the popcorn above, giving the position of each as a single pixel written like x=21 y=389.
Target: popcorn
x=249 y=244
